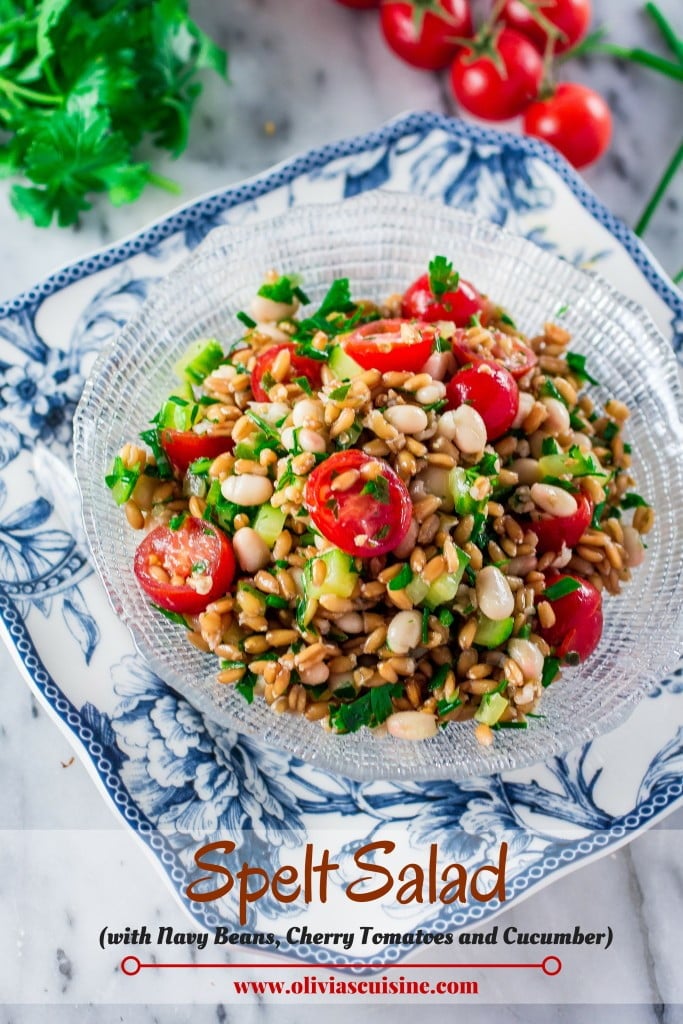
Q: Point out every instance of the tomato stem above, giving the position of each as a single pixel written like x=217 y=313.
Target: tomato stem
x=662 y=185
x=669 y=34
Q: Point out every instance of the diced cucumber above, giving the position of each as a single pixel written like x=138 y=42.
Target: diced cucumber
x=340 y=576
x=176 y=414
x=463 y=501
x=201 y=359
x=122 y=480
x=491 y=709
x=492 y=633
x=417 y=590
x=269 y=523
x=342 y=365
x=444 y=589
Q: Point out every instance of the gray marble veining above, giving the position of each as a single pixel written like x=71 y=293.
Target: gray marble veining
x=305 y=72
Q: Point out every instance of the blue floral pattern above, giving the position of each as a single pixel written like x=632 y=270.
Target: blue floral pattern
x=180 y=779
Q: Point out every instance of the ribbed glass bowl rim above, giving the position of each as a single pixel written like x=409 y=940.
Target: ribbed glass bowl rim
x=339 y=754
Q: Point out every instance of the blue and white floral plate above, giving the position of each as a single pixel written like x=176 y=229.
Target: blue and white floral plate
x=181 y=781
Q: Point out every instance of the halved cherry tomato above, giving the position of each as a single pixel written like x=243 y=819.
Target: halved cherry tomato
x=197 y=550
x=553 y=531
x=491 y=390
x=368 y=518
x=515 y=356
x=183 y=447
x=425 y=32
x=383 y=345
x=300 y=366
x=459 y=305
x=571 y=17
x=578 y=619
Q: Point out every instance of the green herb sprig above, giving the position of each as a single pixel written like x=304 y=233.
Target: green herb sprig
x=81 y=85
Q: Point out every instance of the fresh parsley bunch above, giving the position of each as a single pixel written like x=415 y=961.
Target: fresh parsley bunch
x=82 y=82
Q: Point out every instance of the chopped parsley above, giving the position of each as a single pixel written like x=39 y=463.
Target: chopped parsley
x=610 y=431
x=561 y=588
x=551 y=667
x=175 y=522
x=442 y=277
x=548 y=390
x=425 y=625
x=340 y=393
x=505 y=318
x=246 y=685
x=550 y=446
x=446 y=618
x=444 y=707
x=633 y=500
x=577 y=364
x=275 y=601
x=402 y=578
x=285 y=289
x=245 y=319
x=171 y=616
x=304 y=384
x=439 y=678
x=371 y=709
x=378 y=488
x=525 y=631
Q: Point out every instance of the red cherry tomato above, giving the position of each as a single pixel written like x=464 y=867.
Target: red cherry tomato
x=183 y=447
x=578 y=619
x=459 y=306
x=359 y=5
x=424 y=34
x=572 y=17
x=575 y=120
x=500 y=88
x=513 y=354
x=368 y=518
x=491 y=390
x=300 y=366
x=381 y=345
x=554 y=530
x=196 y=550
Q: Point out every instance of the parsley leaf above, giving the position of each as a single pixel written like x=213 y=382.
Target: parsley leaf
x=633 y=500
x=560 y=589
x=378 y=488
x=402 y=578
x=577 y=364
x=442 y=277
x=285 y=289
x=551 y=666
x=371 y=709
x=82 y=85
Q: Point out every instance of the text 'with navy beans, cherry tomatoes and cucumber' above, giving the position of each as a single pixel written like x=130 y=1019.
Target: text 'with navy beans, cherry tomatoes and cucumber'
x=393 y=512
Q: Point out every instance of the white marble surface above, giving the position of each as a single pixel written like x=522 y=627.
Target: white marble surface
x=318 y=72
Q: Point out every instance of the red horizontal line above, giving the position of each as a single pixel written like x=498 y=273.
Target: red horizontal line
x=137 y=965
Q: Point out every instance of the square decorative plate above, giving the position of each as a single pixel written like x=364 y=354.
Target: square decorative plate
x=180 y=780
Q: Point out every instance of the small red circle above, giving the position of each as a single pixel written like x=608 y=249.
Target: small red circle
x=131 y=966
x=552 y=965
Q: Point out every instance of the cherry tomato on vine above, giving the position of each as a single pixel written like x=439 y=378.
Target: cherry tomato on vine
x=387 y=345
x=514 y=355
x=424 y=32
x=553 y=531
x=571 y=17
x=299 y=366
x=578 y=618
x=367 y=518
x=459 y=304
x=497 y=77
x=575 y=120
x=359 y=5
x=491 y=390
x=196 y=551
x=183 y=447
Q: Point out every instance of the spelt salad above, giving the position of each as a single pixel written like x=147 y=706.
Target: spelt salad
x=394 y=514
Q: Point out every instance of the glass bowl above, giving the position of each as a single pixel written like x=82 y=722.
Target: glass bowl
x=382 y=242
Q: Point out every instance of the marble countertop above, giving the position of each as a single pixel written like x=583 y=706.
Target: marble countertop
x=304 y=73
